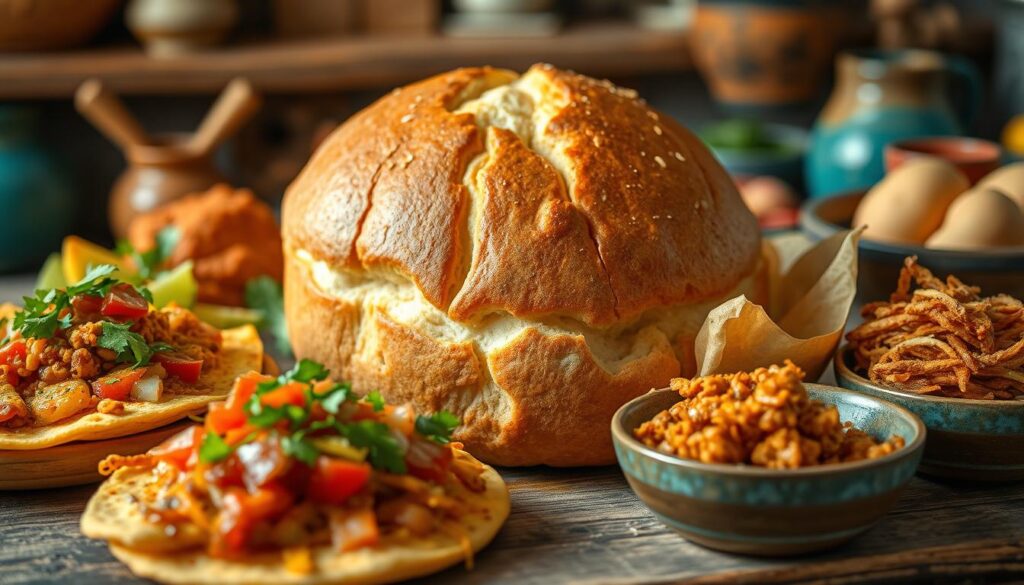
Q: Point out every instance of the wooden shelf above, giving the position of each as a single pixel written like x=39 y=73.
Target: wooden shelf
x=321 y=65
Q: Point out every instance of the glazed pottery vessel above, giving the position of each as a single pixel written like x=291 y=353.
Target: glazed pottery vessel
x=35 y=194
x=974 y=157
x=158 y=173
x=757 y=511
x=974 y=440
x=173 y=27
x=765 y=54
x=881 y=97
x=44 y=25
x=879 y=263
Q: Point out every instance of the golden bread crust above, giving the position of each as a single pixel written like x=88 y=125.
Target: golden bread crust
x=529 y=252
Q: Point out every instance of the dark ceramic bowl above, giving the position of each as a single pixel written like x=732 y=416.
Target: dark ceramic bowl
x=995 y=271
x=785 y=163
x=765 y=512
x=967 y=439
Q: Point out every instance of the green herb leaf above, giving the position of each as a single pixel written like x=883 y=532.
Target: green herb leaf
x=213 y=449
x=337 y=395
x=151 y=262
x=375 y=400
x=96 y=281
x=131 y=348
x=384 y=451
x=437 y=427
x=305 y=371
x=160 y=346
x=299 y=447
x=264 y=294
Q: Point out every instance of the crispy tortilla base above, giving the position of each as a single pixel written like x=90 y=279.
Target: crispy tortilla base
x=242 y=352
x=113 y=514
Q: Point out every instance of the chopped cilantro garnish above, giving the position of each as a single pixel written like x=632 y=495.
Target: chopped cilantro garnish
x=41 y=316
x=375 y=400
x=305 y=371
x=299 y=447
x=337 y=395
x=131 y=348
x=385 y=453
x=437 y=427
x=150 y=262
x=213 y=449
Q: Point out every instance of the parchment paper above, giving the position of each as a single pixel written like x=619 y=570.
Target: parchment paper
x=803 y=322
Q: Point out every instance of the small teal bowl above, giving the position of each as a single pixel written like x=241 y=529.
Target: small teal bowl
x=976 y=440
x=766 y=512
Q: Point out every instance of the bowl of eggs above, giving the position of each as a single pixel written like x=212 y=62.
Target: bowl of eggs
x=928 y=208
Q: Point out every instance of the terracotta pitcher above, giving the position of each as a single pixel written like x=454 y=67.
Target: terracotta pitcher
x=881 y=97
x=162 y=168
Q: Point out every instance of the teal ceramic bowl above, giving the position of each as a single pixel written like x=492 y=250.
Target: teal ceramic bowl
x=765 y=512
x=967 y=439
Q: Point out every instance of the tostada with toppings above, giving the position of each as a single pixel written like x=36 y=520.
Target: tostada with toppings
x=296 y=480
x=94 y=360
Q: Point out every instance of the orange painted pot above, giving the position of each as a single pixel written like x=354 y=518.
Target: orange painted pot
x=763 y=54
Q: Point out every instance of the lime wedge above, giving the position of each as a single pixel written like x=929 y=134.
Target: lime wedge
x=51 y=275
x=177 y=285
x=224 y=317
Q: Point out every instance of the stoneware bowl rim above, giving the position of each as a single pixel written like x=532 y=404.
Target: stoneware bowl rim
x=844 y=371
x=625 y=438
x=819 y=228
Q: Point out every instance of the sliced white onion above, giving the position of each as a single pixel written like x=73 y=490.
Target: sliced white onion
x=148 y=389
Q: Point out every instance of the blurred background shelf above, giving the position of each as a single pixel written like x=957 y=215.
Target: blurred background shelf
x=333 y=64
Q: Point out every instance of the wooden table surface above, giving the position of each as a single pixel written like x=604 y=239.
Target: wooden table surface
x=586 y=526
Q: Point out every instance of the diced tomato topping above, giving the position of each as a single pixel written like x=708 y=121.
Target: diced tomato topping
x=245 y=386
x=14 y=351
x=428 y=460
x=123 y=301
x=364 y=411
x=221 y=419
x=335 y=480
x=87 y=307
x=236 y=436
x=7 y=412
x=243 y=510
x=179 y=449
x=180 y=366
x=291 y=393
x=355 y=530
x=117 y=385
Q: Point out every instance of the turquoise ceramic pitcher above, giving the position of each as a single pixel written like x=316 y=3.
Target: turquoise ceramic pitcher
x=35 y=196
x=880 y=97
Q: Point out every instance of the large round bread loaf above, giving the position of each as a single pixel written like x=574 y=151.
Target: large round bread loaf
x=528 y=252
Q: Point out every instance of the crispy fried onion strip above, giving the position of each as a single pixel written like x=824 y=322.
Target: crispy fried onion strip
x=942 y=338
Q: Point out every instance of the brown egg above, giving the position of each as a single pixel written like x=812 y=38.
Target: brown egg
x=1009 y=180
x=909 y=203
x=979 y=219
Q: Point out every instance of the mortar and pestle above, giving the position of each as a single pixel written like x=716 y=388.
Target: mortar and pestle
x=166 y=167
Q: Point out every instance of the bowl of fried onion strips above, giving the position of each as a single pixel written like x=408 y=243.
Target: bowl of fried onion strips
x=954 y=356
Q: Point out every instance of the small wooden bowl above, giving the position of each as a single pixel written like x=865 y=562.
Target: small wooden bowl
x=74 y=463
x=767 y=512
x=976 y=440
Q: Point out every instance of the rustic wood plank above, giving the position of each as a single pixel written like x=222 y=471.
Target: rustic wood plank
x=343 y=63
x=585 y=525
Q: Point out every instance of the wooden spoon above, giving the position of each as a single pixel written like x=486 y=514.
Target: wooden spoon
x=236 y=104
x=108 y=114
